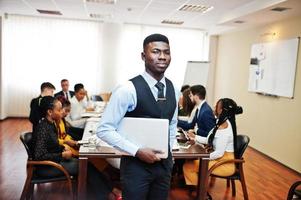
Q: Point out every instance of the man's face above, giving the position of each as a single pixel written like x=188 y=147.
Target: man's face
x=80 y=95
x=157 y=58
x=192 y=97
x=65 y=85
x=48 y=92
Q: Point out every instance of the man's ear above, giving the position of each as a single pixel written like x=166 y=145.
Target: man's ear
x=143 y=56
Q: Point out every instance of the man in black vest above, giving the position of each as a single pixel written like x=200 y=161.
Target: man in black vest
x=47 y=89
x=151 y=95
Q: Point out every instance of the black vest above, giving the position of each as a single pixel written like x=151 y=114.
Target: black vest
x=147 y=106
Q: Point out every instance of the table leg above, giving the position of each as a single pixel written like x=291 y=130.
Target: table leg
x=82 y=178
x=202 y=180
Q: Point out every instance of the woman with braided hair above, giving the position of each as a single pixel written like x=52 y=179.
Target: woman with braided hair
x=222 y=139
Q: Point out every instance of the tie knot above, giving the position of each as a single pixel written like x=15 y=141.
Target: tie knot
x=160 y=87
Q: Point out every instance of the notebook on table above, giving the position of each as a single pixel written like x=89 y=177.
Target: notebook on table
x=146 y=132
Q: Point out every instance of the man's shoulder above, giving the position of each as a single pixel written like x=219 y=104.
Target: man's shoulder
x=58 y=93
x=35 y=101
x=205 y=108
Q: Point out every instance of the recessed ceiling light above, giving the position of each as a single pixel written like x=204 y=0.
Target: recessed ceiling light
x=100 y=16
x=49 y=12
x=280 y=9
x=101 y=1
x=195 y=8
x=174 y=22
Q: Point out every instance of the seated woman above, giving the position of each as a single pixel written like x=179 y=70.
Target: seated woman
x=181 y=111
x=64 y=138
x=46 y=147
x=222 y=138
x=189 y=106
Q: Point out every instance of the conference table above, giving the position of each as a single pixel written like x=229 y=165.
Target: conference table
x=100 y=149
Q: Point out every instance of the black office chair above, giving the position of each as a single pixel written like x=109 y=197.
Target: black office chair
x=96 y=98
x=32 y=177
x=242 y=144
x=293 y=192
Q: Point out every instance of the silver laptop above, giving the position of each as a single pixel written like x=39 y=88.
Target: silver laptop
x=146 y=132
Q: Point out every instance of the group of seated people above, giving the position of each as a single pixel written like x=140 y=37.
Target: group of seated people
x=55 y=139
x=216 y=130
x=78 y=103
x=58 y=125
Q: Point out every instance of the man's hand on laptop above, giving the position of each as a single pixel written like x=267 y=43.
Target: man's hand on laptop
x=148 y=155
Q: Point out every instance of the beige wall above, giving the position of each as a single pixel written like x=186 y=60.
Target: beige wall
x=273 y=124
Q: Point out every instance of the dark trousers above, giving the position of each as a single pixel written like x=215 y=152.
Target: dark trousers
x=142 y=181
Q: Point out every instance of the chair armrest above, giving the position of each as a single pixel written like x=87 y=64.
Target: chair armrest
x=224 y=162
x=49 y=163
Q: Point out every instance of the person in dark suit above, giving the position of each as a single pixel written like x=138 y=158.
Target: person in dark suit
x=47 y=89
x=143 y=174
x=65 y=90
x=204 y=117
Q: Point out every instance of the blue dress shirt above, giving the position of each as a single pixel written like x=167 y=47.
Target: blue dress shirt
x=124 y=99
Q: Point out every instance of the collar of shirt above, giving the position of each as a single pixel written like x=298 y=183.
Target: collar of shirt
x=199 y=106
x=151 y=82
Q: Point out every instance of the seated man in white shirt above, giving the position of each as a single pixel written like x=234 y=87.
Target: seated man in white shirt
x=78 y=107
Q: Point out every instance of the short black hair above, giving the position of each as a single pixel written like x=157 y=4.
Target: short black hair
x=78 y=87
x=184 y=87
x=155 y=38
x=46 y=85
x=198 y=90
x=63 y=80
x=47 y=103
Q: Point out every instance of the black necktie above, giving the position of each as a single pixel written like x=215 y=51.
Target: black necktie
x=160 y=87
x=66 y=95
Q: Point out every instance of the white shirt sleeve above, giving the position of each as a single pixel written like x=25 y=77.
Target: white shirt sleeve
x=221 y=141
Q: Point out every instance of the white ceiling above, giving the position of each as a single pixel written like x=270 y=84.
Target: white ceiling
x=220 y=19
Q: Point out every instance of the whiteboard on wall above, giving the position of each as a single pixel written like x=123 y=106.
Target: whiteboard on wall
x=196 y=73
x=273 y=67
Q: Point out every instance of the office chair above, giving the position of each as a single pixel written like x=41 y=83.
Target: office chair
x=242 y=144
x=293 y=192
x=96 y=98
x=32 y=177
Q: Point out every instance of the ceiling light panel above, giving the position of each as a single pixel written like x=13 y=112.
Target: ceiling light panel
x=173 y=22
x=101 y=1
x=195 y=8
x=100 y=16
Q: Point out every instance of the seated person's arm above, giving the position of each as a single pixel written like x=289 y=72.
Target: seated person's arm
x=185 y=125
x=196 y=138
x=79 y=123
x=220 y=148
x=40 y=148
